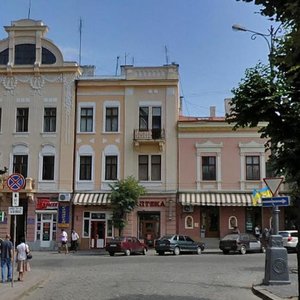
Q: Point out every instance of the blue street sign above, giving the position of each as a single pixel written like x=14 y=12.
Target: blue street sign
x=15 y=182
x=276 y=201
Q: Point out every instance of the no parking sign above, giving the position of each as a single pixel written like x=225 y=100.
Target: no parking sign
x=15 y=182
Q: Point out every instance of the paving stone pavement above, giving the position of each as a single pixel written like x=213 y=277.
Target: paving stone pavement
x=36 y=277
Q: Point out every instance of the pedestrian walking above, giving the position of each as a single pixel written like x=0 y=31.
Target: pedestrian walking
x=257 y=231
x=6 y=257
x=21 y=258
x=64 y=241
x=74 y=240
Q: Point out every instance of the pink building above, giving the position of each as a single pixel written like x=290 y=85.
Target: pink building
x=218 y=170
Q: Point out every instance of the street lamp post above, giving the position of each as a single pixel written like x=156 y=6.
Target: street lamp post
x=276 y=262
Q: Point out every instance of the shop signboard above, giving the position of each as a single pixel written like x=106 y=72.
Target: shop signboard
x=64 y=216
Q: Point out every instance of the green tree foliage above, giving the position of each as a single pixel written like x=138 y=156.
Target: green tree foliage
x=124 y=198
x=274 y=97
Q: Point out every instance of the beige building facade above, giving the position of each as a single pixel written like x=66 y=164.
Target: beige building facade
x=37 y=94
x=126 y=126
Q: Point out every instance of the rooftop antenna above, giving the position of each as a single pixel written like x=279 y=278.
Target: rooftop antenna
x=117 y=65
x=80 y=36
x=126 y=54
x=29 y=8
x=167 y=56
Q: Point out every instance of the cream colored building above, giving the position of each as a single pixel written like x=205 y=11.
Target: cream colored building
x=126 y=125
x=36 y=131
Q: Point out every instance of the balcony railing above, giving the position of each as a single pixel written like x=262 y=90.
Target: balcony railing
x=151 y=136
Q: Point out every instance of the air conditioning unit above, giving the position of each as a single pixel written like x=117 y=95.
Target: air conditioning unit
x=64 y=197
x=188 y=208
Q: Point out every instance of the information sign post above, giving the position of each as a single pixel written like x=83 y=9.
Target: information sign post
x=15 y=182
x=276 y=264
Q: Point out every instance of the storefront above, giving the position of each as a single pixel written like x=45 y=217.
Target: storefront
x=46 y=219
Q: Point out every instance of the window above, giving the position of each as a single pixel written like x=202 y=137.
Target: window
x=189 y=222
x=48 y=168
x=50 y=119
x=20 y=164
x=25 y=54
x=112 y=119
x=85 y=172
x=150 y=118
x=22 y=119
x=208 y=168
x=252 y=168
x=150 y=167
x=86 y=119
x=86 y=224
x=111 y=167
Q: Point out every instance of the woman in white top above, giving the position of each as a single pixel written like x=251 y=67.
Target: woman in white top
x=23 y=265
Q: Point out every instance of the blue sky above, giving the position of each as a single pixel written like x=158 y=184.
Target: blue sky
x=197 y=34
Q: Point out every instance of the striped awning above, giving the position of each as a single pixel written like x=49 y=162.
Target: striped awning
x=216 y=199
x=91 y=199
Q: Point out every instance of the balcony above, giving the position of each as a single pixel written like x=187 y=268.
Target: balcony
x=152 y=137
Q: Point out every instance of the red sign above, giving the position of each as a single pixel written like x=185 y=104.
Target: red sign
x=46 y=204
x=145 y=203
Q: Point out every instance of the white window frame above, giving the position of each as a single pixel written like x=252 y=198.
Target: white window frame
x=47 y=150
x=111 y=104
x=86 y=105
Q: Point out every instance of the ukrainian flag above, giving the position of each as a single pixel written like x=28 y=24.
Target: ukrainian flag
x=258 y=194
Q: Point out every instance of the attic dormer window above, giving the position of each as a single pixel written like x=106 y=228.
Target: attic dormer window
x=25 y=54
x=4 y=57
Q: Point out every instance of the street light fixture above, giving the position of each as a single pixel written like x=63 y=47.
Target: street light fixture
x=276 y=264
x=268 y=37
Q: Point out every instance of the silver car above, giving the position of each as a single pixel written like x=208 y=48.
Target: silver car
x=289 y=239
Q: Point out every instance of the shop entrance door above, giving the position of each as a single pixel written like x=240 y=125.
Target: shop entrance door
x=46 y=230
x=98 y=234
x=149 y=227
x=210 y=222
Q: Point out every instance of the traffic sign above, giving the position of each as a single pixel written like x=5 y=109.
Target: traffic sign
x=273 y=184
x=15 y=182
x=15 y=199
x=15 y=210
x=276 y=201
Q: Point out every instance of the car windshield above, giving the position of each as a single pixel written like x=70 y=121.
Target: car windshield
x=231 y=237
x=284 y=233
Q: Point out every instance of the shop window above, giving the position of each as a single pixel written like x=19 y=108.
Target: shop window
x=189 y=222
x=109 y=228
x=232 y=222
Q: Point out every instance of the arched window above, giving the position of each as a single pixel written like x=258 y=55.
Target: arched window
x=189 y=222
x=232 y=222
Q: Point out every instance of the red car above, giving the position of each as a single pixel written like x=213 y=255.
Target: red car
x=126 y=245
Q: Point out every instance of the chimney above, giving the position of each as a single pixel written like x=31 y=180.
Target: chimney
x=212 y=110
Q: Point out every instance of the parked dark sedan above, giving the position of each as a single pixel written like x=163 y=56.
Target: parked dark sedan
x=177 y=244
x=126 y=245
x=242 y=243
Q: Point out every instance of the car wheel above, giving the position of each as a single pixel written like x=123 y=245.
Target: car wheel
x=225 y=251
x=176 y=251
x=199 y=251
x=127 y=252
x=243 y=249
x=161 y=252
x=144 y=251
x=111 y=253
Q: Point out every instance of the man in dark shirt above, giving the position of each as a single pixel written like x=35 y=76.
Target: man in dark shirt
x=6 y=257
